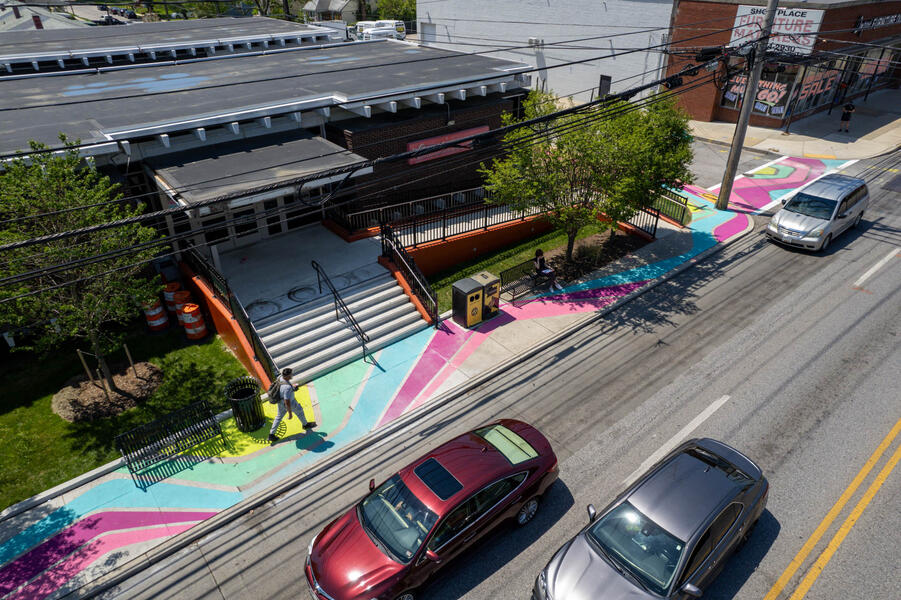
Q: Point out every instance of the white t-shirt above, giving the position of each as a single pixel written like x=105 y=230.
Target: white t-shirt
x=286 y=390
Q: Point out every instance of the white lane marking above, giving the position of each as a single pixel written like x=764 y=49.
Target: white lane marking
x=875 y=267
x=754 y=170
x=778 y=200
x=675 y=440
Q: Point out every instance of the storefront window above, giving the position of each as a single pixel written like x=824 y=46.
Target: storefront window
x=773 y=92
x=818 y=86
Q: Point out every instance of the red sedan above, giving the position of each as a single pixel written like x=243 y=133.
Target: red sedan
x=394 y=539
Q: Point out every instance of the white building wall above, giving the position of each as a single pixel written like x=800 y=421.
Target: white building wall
x=479 y=25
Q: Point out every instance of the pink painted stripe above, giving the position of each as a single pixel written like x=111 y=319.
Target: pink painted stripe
x=56 y=577
x=441 y=348
x=68 y=540
x=755 y=193
x=726 y=230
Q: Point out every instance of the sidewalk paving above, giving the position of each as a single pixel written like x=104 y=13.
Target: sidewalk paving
x=55 y=547
x=875 y=129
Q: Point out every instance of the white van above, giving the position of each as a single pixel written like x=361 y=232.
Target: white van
x=379 y=33
x=399 y=27
x=362 y=26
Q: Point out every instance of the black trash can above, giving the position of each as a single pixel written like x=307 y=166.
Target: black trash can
x=243 y=396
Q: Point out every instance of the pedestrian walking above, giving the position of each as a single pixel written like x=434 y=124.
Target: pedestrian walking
x=847 y=109
x=287 y=404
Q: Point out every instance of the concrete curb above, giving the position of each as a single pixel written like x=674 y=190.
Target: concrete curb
x=173 y=545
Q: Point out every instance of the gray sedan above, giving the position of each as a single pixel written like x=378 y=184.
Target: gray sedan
x=668 y=535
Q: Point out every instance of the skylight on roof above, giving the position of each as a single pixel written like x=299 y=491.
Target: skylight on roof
x=438 y=479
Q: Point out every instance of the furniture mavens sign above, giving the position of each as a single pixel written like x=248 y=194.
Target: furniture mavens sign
x=794 y=30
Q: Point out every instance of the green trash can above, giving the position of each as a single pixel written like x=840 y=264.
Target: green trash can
x=243 y=396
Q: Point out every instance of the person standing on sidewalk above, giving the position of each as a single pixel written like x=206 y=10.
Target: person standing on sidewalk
x=287 y=404
x=847 y=109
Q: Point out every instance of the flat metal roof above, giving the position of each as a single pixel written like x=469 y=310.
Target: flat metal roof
x=141 y=101
x=135 y=38
x=233 y=167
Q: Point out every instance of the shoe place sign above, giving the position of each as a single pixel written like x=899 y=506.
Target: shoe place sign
x=794 y=30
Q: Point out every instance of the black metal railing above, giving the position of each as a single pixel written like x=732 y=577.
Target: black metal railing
x=204 y=269
x=646 y=220
x=456 y=221
x=168 y=436
x=672 y=204
x=340 y=305
x=393 y=250
x=392 y=214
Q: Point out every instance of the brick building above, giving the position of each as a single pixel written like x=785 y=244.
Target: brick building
x=823 y=53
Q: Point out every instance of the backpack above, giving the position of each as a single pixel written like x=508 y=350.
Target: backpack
x=275 y=391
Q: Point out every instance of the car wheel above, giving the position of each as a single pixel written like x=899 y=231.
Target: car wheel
x=408 y=595
x=857 y=220
x=826 y=243
x=527 y=512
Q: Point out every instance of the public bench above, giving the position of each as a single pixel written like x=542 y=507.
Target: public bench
x=168 y=436
x=521 y=279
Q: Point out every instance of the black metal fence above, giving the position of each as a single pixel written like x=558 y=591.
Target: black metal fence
x=646 y=220
x=672 y=204
x=449 y=222
x=168 y=436
x=393 y=214
x=203 y=268
x=393 y=250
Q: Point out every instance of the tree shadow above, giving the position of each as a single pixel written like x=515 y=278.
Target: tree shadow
x=499 y=547
x=742 y=564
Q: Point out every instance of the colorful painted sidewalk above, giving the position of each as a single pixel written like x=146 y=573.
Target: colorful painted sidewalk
x=64 y=543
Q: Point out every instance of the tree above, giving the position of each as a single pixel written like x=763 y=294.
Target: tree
x=598 y=165
x=400 y=10
x=81 y=301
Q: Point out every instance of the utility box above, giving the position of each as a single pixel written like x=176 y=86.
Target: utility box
x=491 y=293
x=466 y=297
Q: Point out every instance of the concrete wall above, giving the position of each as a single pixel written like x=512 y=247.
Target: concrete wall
x=477 y=25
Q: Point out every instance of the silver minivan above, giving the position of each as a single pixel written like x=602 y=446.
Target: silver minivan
x=819 y=213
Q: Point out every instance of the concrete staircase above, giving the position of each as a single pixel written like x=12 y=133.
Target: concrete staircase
x=311 y=341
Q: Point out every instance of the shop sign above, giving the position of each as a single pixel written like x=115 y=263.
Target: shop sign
x=876 y=22
x=794 y=30
x=818 y=83
x=771 y=99
x=440 y=139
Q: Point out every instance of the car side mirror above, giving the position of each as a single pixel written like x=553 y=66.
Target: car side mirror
x=592 y=513
x=691 y=590
x=371 y=484
x=784 y=200
x=842 y=216
x=432 y=556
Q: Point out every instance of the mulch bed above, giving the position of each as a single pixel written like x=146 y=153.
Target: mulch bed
x=81 y=400
x=593 y=252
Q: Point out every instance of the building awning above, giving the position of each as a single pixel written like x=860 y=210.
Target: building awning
x=248 y=165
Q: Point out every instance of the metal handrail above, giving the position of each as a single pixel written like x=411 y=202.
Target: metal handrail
x=339 y=303
x=394 y=250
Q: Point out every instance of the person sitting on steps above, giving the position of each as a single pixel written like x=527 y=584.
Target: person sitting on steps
x=541 y=268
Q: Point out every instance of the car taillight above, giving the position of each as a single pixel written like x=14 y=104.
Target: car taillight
x=554 y=466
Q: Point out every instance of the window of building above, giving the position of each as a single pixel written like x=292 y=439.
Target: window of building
x=773 y=92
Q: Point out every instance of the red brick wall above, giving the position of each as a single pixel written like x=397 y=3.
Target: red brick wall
x=703 y=103
x=388 y=135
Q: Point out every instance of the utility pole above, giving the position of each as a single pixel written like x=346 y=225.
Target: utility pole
x=756 y=59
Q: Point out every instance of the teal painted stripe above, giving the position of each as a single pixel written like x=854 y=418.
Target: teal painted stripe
x=117 y=493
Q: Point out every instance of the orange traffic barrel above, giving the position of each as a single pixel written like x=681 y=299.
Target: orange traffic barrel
x=169 y=294
x=195 y=328
x=181 y=298
x=157 y=320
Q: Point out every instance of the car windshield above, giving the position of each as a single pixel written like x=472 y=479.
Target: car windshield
x=639 y=545
x=811 y=206
x=395 y=519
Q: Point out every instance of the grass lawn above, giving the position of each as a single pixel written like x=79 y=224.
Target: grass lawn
x=500 y=260
x=40 y=450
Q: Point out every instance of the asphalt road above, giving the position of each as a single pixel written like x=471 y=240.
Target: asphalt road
x=806 y=352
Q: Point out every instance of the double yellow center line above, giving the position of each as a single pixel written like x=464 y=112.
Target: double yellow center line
x=833 y=513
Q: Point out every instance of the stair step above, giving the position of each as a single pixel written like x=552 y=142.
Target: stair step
x=361 y=293
x=322 y=323
x=304 y=373
x=303 y=360
x=312 y=340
